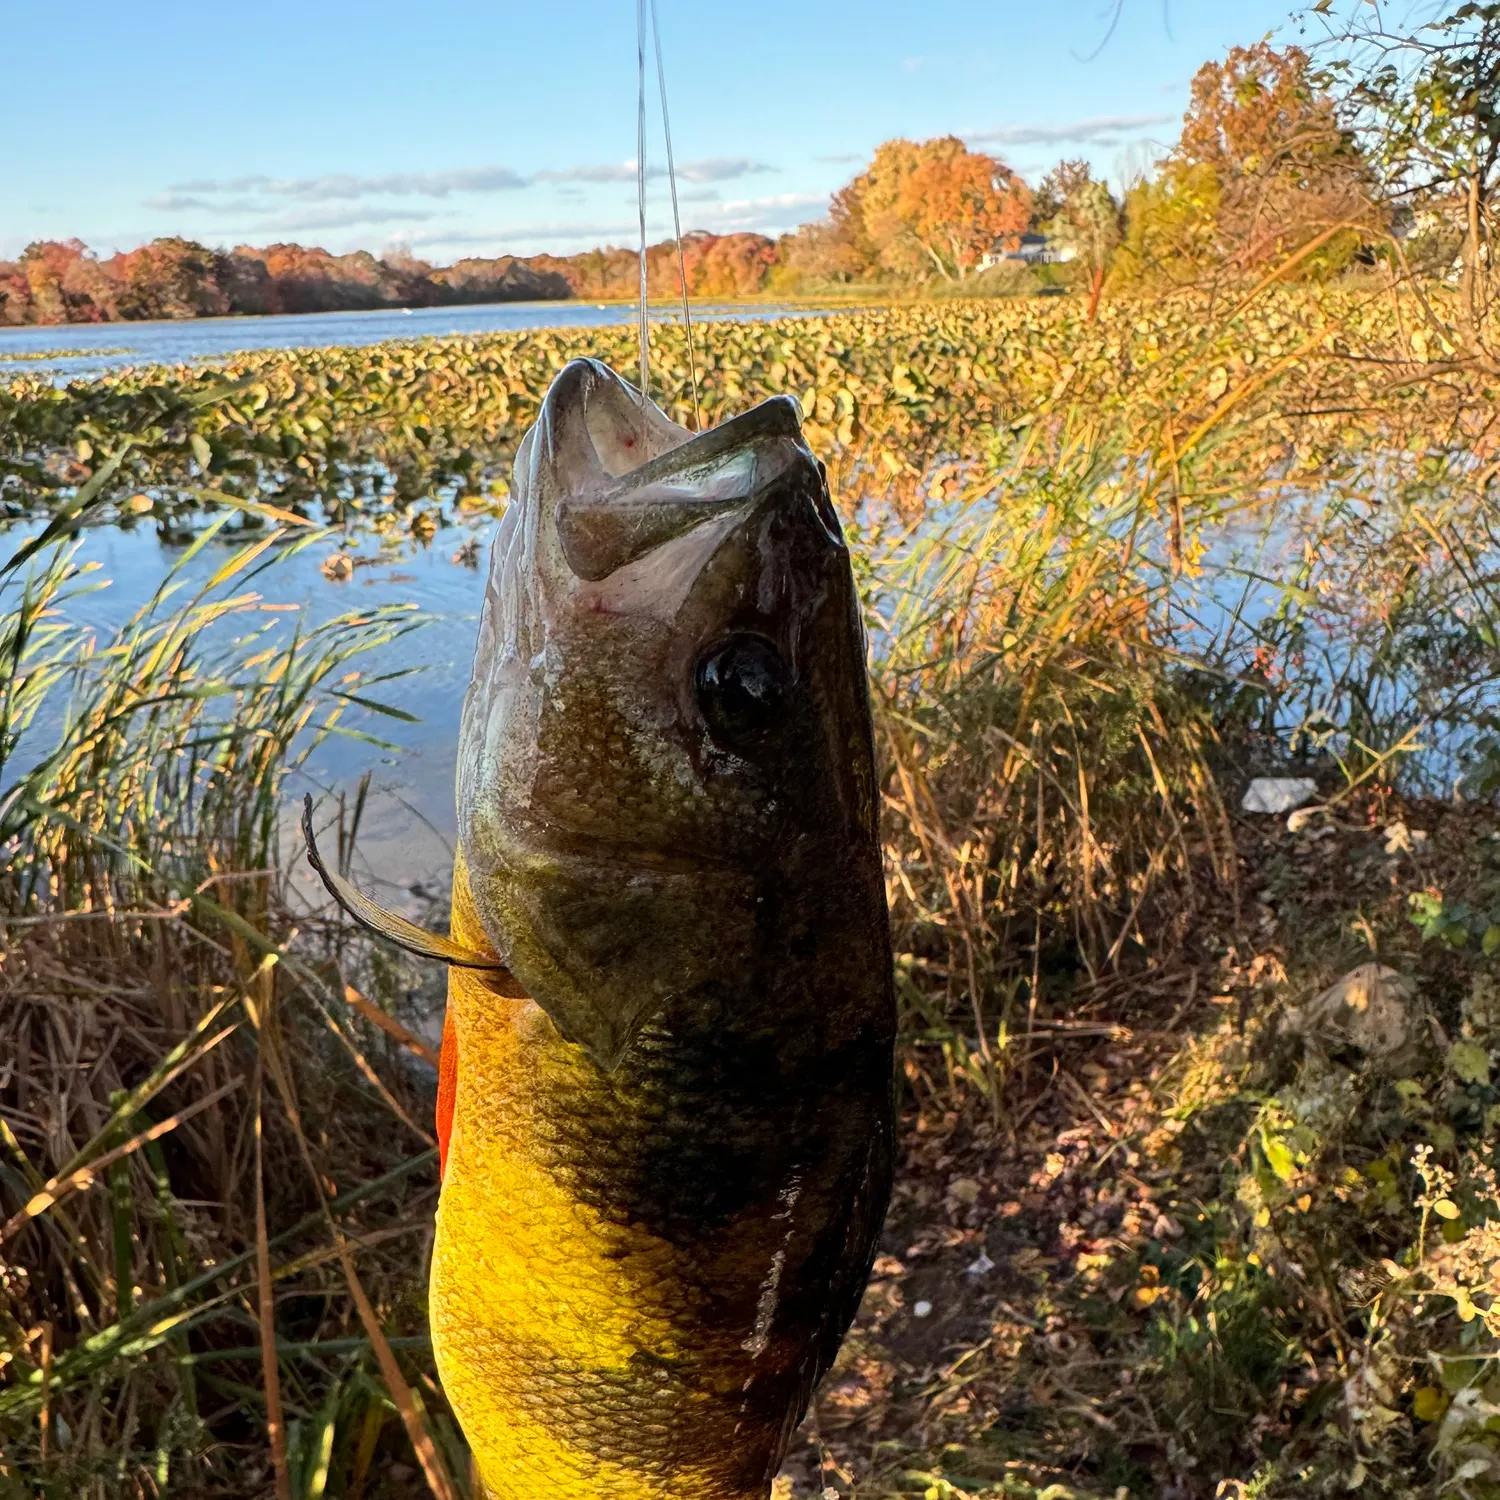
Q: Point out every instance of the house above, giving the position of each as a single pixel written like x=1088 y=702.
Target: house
x=1031 y=249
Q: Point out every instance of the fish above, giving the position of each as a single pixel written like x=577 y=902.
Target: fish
x=666 y=1099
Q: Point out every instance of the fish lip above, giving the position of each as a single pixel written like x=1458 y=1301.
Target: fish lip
x=778 y=416
x=702 y=478
x=601 y=513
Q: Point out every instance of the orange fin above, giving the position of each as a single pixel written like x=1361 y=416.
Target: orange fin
x=447 y=1089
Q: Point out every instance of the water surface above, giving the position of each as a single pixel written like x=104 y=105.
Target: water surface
x=406 y=836
x=408 y=828
x=78 y=349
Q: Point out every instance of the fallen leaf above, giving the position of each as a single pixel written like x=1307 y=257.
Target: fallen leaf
x=1429 y=1403
x=965 y=1189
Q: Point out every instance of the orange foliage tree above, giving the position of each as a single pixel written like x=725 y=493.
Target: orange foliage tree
x=959 y=204
x=919 y=209
x=939 y=207
x=717 y=265
x=1286 y=169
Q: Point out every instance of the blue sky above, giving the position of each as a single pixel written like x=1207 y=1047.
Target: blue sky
x=463 y=128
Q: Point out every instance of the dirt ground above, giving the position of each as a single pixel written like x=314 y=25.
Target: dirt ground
x=1079 y=1292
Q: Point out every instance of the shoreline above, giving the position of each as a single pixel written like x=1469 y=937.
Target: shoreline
x=666 y=304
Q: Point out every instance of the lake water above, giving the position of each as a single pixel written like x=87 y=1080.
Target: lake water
x=406 y=835
x=87 y=349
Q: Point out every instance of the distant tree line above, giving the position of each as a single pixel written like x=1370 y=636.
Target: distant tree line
x=1377 y=144
x=63 y=282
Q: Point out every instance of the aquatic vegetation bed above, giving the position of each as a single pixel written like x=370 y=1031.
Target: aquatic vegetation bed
x=21 y=356
x=1170 y=1214
x=1307 y=373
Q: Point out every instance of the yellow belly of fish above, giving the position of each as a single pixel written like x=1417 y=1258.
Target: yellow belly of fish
x=547 y=1323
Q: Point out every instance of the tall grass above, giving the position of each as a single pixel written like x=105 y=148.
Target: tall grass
x=1050 y=799
x=150 y=1011
x=1084 y=649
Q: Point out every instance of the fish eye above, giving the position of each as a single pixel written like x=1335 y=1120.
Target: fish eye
x=742 y=685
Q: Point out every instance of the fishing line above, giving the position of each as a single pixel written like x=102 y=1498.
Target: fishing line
x=640 y=188
x=666 y=125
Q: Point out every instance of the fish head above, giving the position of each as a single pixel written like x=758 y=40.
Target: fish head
x=666 y=749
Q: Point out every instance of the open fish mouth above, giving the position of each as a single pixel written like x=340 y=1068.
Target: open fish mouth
x=667 y=654
x=622 y=500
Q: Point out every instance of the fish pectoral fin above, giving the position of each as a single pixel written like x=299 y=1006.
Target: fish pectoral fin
x=396 y=929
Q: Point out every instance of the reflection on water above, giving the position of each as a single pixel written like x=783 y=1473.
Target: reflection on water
x=88 y=349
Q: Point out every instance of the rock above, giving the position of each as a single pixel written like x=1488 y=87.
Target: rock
x=1370 y=1007
x=1278 y=794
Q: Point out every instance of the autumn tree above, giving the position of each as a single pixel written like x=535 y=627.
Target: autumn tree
x=1171 y=226
x=838 y=248
x=920 y=209
x=835 y=249
x=1287 y=168
x=504 y=278
x=1082 y=218
x=722 y=265
x=170 y=278
x=15 y=295
x=1054 y=190
x=64 y=283
x=1266 y=172
x=939 y=207
x=1423 y=97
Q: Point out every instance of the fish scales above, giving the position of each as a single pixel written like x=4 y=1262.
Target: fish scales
x=665 y=1170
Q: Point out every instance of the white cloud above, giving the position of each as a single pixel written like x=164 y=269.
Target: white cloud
x=709 y=169
x=181 y=202
x=207 y=185
x=500 y=241
x=267 y=216
x=621 y=171
x=721 y=169
x=764 y=215
x=243 y=198
x=1101 y=130
x=300 y=221
x=339 y=187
